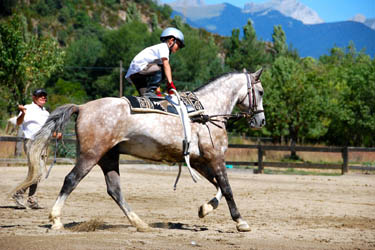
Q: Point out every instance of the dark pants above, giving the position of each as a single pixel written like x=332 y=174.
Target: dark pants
x=148 y=80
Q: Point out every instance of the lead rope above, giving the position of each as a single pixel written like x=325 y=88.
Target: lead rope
x=54 y=158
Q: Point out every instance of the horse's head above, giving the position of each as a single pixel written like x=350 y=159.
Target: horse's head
x=251 y=101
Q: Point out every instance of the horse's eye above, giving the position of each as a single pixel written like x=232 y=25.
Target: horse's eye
x=261 y=93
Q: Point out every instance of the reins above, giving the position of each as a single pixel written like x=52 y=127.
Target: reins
x=248 y=115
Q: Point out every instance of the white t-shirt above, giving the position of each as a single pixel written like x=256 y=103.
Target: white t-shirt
x=34 y=119
x=152 y=54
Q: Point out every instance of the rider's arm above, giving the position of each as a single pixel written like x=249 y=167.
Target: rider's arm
x=168 y=74
x=167 y=69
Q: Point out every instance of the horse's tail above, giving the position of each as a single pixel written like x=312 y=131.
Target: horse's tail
x=37 y=164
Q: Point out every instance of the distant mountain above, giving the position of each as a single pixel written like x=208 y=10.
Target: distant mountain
x=290 y=8
x=309 y=39
x=190 y=3
x=362 y=19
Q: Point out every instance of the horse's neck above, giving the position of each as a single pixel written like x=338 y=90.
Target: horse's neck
x=221 y=95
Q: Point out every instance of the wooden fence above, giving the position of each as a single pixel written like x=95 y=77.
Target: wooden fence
x=261 y=149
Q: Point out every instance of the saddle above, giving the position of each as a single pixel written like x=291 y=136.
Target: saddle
x=143 y=104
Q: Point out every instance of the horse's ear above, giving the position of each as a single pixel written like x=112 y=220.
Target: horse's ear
x=258 y=74
x=244 y=70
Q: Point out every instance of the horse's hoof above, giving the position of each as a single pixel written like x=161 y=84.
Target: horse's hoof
x=57 y=226
x=138 y=223
x=56 y=222
x=242 y=226
x=144 y=229
x=204 y=210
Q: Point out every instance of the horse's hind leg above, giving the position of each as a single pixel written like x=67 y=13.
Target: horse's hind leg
x=110 y=166
x=80 y=170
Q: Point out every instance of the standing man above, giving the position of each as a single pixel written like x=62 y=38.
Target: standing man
x=32 y=117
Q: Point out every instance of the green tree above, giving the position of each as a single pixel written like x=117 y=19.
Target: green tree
x=353 y=75
x=132 y=13
x=196 y=63
x=296 y=101
x=121 y=45
x=249 y=53
x=65 y=92
x=232 y=46
x=279 y=41
x=26 y=61
x=81 y=59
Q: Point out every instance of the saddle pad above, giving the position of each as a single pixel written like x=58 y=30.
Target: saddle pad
x=144 y=104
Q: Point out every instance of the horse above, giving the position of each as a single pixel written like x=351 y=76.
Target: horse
x=107 y=127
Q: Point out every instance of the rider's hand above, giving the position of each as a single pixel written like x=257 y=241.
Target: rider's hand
x=169 y=87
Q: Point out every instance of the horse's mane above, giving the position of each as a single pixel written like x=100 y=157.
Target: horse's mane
x=214 y=79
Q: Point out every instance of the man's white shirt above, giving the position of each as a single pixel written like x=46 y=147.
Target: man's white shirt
x=34 y=119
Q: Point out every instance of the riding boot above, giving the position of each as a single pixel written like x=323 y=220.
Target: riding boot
x=151 y=91
x=142 y=91
x=153 y=95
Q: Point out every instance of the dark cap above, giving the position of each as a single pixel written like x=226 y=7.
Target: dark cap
x=40 y=92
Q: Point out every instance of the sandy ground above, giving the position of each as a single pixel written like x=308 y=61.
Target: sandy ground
x=284 y=212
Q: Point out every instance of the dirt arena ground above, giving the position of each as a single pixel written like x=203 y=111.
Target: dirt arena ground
x=284 y=212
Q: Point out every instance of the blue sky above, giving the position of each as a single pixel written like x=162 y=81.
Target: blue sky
x=328 y=10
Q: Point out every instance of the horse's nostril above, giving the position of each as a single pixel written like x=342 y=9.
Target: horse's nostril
x=263 y=122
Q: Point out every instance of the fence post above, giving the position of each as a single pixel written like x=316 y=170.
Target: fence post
x=344 y=154
x=260 y=160
x=121 y=85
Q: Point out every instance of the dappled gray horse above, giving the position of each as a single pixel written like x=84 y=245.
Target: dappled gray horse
x=106 y=128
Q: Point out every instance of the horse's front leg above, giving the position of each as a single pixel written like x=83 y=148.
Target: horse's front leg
x=211 y=205
x=223 y=182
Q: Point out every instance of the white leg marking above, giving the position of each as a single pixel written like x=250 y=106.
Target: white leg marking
x=219 y=195
x=211 y=205
x=55 y=214
x=137 y=222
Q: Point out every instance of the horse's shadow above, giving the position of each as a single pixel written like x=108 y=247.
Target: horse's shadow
x=178 y=226
x=88 y=227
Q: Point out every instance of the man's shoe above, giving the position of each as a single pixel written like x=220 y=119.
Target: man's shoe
x=33 y=204
x=18 y=199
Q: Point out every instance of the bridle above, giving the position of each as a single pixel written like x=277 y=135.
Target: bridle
x=249 y=115
x=253 y=110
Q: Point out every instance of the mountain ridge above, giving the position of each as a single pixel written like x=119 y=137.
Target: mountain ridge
x=309 y=39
